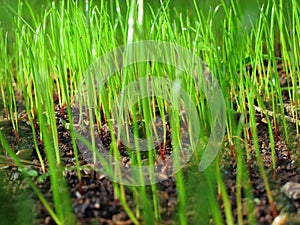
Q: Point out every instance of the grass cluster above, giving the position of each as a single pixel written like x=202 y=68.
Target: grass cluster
x=45 y=53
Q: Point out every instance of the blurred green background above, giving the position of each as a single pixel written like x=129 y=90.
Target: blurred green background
x=185 y=7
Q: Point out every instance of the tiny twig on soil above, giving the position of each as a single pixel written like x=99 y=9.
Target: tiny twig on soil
x=7 y=161
x=272 y=114
x=6 y=122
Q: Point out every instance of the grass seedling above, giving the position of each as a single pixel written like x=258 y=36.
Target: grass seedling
x=257 y=151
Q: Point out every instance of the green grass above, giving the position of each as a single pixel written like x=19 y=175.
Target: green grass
x=47 y=50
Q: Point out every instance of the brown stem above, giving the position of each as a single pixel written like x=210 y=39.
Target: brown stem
x=119 y=143
x=6 y=113
x=232 y=152
x=80 y=187
x=275 y=131
x=273 y=209
x=17 y=135
x=249 y=136
x=162 y=151
x=62 y=113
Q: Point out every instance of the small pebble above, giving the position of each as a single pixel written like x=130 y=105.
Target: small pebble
x=291 y=190
x=102 y=177
x=280 y=220
x=97 y=205
x=77 y=194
